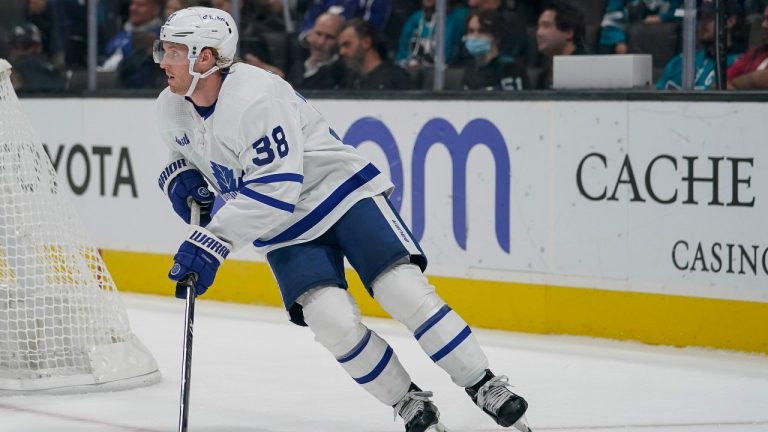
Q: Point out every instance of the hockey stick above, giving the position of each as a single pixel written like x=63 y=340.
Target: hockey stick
x=189 y=282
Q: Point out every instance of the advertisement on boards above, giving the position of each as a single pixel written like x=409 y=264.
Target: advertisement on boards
x=633 y=196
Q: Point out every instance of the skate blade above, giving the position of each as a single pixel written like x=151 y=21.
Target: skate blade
x=522 y=425
x=439 y=427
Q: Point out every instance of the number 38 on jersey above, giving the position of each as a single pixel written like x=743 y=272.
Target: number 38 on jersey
x=266 y=148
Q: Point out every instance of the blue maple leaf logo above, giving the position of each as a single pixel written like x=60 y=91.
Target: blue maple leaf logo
x=225 y=177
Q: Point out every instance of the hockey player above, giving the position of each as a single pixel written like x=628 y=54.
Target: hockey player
x=295 y=192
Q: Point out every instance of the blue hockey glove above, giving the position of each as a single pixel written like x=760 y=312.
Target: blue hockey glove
x=201 y=253
x=180 y=181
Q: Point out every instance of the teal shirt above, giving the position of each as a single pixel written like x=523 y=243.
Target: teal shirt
x=704 y=76
x=614 y=24
x=417 y=29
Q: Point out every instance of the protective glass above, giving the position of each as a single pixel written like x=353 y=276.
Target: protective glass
x=173 y=54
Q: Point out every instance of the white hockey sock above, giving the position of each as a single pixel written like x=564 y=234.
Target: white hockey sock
x=404 y=292
x=334 y=318
x=449 y=342
x=375 y=366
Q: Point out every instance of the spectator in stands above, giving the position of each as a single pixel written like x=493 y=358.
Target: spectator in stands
x=527 y=10
x=490 y=69
x=374 y=11
x=321 y=68
x=366 y=56
x=32 y=69
x=76 y=36
x=417 y=39
x=50 y=17
x=400 y=12
x=704 y=75
x=750 y=71
x=560 y=31
x=254 y=49
x=620 y=13
x=514 y=43
x=144 y=16
x=270 y=14
x=138 y=70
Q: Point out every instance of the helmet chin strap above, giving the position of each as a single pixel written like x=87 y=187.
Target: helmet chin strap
x=196 y=76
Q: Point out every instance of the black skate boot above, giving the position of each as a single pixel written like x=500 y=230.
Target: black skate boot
x=418 y=412
x=493 y=397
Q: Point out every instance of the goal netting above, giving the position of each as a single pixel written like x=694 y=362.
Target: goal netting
x=63 y=327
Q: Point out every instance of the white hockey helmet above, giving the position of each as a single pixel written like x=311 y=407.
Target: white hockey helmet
x=199 y=28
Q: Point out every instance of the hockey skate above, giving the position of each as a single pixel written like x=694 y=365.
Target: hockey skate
x=418 y=412
x=493 y=397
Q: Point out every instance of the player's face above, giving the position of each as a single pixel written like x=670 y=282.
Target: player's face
x=175 y=63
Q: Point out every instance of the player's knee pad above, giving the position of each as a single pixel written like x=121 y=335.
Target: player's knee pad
x=404 y=292
x=406 y=295
x=333 y=316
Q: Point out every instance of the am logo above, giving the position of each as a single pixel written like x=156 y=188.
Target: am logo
x=459 y=144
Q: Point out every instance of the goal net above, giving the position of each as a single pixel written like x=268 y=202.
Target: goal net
x=63 y=327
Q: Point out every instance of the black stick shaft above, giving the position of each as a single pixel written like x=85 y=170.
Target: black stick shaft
x=186 y=366
x=189 y=283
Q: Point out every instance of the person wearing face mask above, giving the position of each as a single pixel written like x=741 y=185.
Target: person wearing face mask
x=489 y=69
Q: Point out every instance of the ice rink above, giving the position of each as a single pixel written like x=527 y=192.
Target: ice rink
x=253 y=371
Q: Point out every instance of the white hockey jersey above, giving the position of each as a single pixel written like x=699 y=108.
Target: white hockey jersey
x=284 y=173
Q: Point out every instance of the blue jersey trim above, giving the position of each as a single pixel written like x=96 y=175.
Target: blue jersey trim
x=324 y=208
x=378 y=369
x=451 y=345
x=204 y=112
x=357 y=349
x=276 y=178
x=264 y=199
x=434 y=319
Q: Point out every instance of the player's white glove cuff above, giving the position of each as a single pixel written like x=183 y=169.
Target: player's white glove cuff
x=208 y=242
x=170 y=172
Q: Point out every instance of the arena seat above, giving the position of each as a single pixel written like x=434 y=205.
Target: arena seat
x=660 y=40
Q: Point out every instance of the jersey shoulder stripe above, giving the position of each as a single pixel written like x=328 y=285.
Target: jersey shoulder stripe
x=324 y=208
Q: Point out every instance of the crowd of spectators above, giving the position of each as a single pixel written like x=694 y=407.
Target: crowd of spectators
x=388 y=44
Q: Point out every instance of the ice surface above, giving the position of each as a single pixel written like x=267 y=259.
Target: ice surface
x=253 y=371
